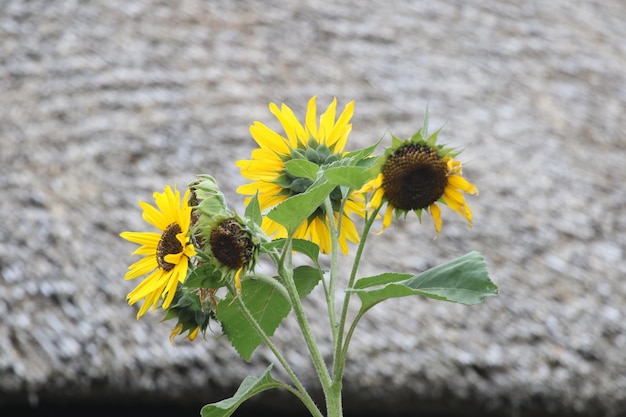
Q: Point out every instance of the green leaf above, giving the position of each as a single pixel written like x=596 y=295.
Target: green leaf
x=253 y=210
x=302 y=168
x=250 y=387
x=306 y=278
x=266 y=304
x=308 y=248
x=350 y=176
x=294 y=210
x=463 y=280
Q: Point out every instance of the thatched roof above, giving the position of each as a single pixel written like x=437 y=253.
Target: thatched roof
x=103 y=103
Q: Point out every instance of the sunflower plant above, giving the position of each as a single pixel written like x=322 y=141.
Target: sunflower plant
x=307 y=195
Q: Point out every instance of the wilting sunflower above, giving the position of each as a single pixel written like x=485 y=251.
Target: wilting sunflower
x=417 y=174
x=230 y=243
x=321 y=145
x=166 y=253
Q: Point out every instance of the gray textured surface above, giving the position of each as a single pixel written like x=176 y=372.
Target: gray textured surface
x=104 y=102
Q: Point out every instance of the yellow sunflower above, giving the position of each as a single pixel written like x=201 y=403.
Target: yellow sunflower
x=166 y=254
x=321 y=144
x=417 y=174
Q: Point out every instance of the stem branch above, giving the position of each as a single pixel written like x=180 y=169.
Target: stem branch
x=303 y=394
x=341 y=347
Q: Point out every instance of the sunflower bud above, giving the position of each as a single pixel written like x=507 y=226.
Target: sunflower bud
x=206 y=197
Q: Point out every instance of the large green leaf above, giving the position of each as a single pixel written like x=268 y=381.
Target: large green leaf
x=266 y=304
x=294 y=210
x=250 y=387
x=463 y=280
x=350 y=176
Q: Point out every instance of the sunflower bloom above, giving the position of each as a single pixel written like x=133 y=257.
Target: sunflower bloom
x=416 y=175
x=166 y=254
x=321 y=144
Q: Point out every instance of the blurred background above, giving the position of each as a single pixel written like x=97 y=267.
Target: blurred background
x=103 y=103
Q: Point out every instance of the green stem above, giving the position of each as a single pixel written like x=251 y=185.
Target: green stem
x=303 y=394
x=332 y=281
x=360 y=314
x=285 y=270
x=334 y=406
x=341 y=347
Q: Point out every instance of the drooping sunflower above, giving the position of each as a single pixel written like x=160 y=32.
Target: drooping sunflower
x=416 y=174
x=166 y=253
x=230 y=243
x=320 y=144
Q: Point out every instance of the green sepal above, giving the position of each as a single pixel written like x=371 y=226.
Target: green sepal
x=422 y=137
x=266 y=304
x=250 y=387
x=364 y=153
x=190 y=311
x=302 y=168
x=464 y=280
x=210 y=201
x=205 y=276
x=253 y=210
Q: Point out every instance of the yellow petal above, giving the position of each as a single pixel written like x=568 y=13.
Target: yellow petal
x=454 y=167
x=173 y=258
x=289 y=123
x=268 y=139
x=153 y=283
x=153 y=216
x=339 y=135
x=435 y=211
x=178 y=275
x=168 y=204
x=388 y=216
x=453 y=197
x=319 y=233
x=193 y=334
x=311 y=117
x=267 y=155
x=327 y=122
x=142 y=238
x=377 y=199
x=189 y=251
x=463 y=184
x=238 y=281
x=141 y=267
x=348 y=230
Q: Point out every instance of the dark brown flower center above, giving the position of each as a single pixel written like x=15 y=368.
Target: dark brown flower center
x=414 y=177
x=168 y=244
x=230 y=244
